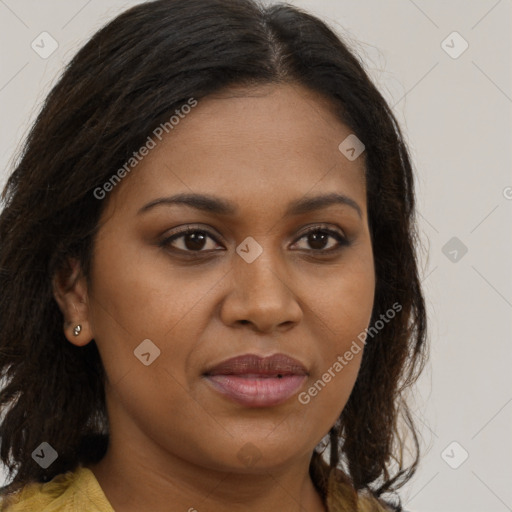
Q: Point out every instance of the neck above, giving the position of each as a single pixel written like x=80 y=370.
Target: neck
x=130 y=485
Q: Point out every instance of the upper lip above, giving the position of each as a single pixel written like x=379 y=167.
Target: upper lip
x=276 y=364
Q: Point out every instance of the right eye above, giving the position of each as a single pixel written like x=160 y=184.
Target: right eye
x=192 y=240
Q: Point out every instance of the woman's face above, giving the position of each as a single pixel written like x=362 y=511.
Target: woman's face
x=249 y=281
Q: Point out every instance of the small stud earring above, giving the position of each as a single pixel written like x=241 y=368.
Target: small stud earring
x=77 y=330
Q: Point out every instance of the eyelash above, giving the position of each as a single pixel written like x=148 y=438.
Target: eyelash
x=342 y=241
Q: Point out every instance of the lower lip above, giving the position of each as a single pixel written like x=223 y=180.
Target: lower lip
x=257 y=391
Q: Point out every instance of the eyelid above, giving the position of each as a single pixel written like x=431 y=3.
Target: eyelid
x=321 y=227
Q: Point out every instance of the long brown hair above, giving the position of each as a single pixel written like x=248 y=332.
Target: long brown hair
x=124 y=82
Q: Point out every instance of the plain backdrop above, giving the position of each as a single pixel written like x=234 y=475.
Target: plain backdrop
x=445 y=68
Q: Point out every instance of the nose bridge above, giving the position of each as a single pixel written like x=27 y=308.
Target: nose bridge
x=258 y=268
x=262 y=294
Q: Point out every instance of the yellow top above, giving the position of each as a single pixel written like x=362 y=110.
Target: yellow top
x=79 y=491
x=68 y=492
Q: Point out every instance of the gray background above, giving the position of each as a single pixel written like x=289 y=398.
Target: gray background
x=456 y=114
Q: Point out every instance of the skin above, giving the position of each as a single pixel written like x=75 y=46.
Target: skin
x=173 y=439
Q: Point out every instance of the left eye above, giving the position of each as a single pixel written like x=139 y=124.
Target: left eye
x=319 y=236
x=193 y=240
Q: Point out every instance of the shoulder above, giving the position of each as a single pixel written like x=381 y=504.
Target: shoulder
x=342 y=497
x=76 y=490
x=367 y=504
x=357 y=502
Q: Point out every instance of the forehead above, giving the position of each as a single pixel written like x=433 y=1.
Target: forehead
x=262 y=145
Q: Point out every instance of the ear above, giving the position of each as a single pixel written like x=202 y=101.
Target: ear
x=70 y=291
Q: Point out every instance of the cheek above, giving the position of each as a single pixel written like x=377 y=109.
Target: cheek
x=343 y=310
x=138 y=291
x=351 y=308
x=125 y=301
x=343 y=303
x=339 y=353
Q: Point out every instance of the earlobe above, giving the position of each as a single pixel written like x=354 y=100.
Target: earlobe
x=78 y=333
x=70 y=292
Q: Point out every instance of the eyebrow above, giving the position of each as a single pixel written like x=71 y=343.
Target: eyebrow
x=220 y=206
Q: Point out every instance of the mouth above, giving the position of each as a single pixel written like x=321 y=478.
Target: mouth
x=255 y=381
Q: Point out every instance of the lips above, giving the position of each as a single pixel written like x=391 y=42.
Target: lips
x=254 y=381
x=253 y=365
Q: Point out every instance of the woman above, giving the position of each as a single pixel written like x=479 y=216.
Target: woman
x=210 y=295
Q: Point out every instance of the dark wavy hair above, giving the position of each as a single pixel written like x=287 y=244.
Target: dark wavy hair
x=119 y=87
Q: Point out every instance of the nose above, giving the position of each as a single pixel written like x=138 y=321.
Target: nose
x=261 y=294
